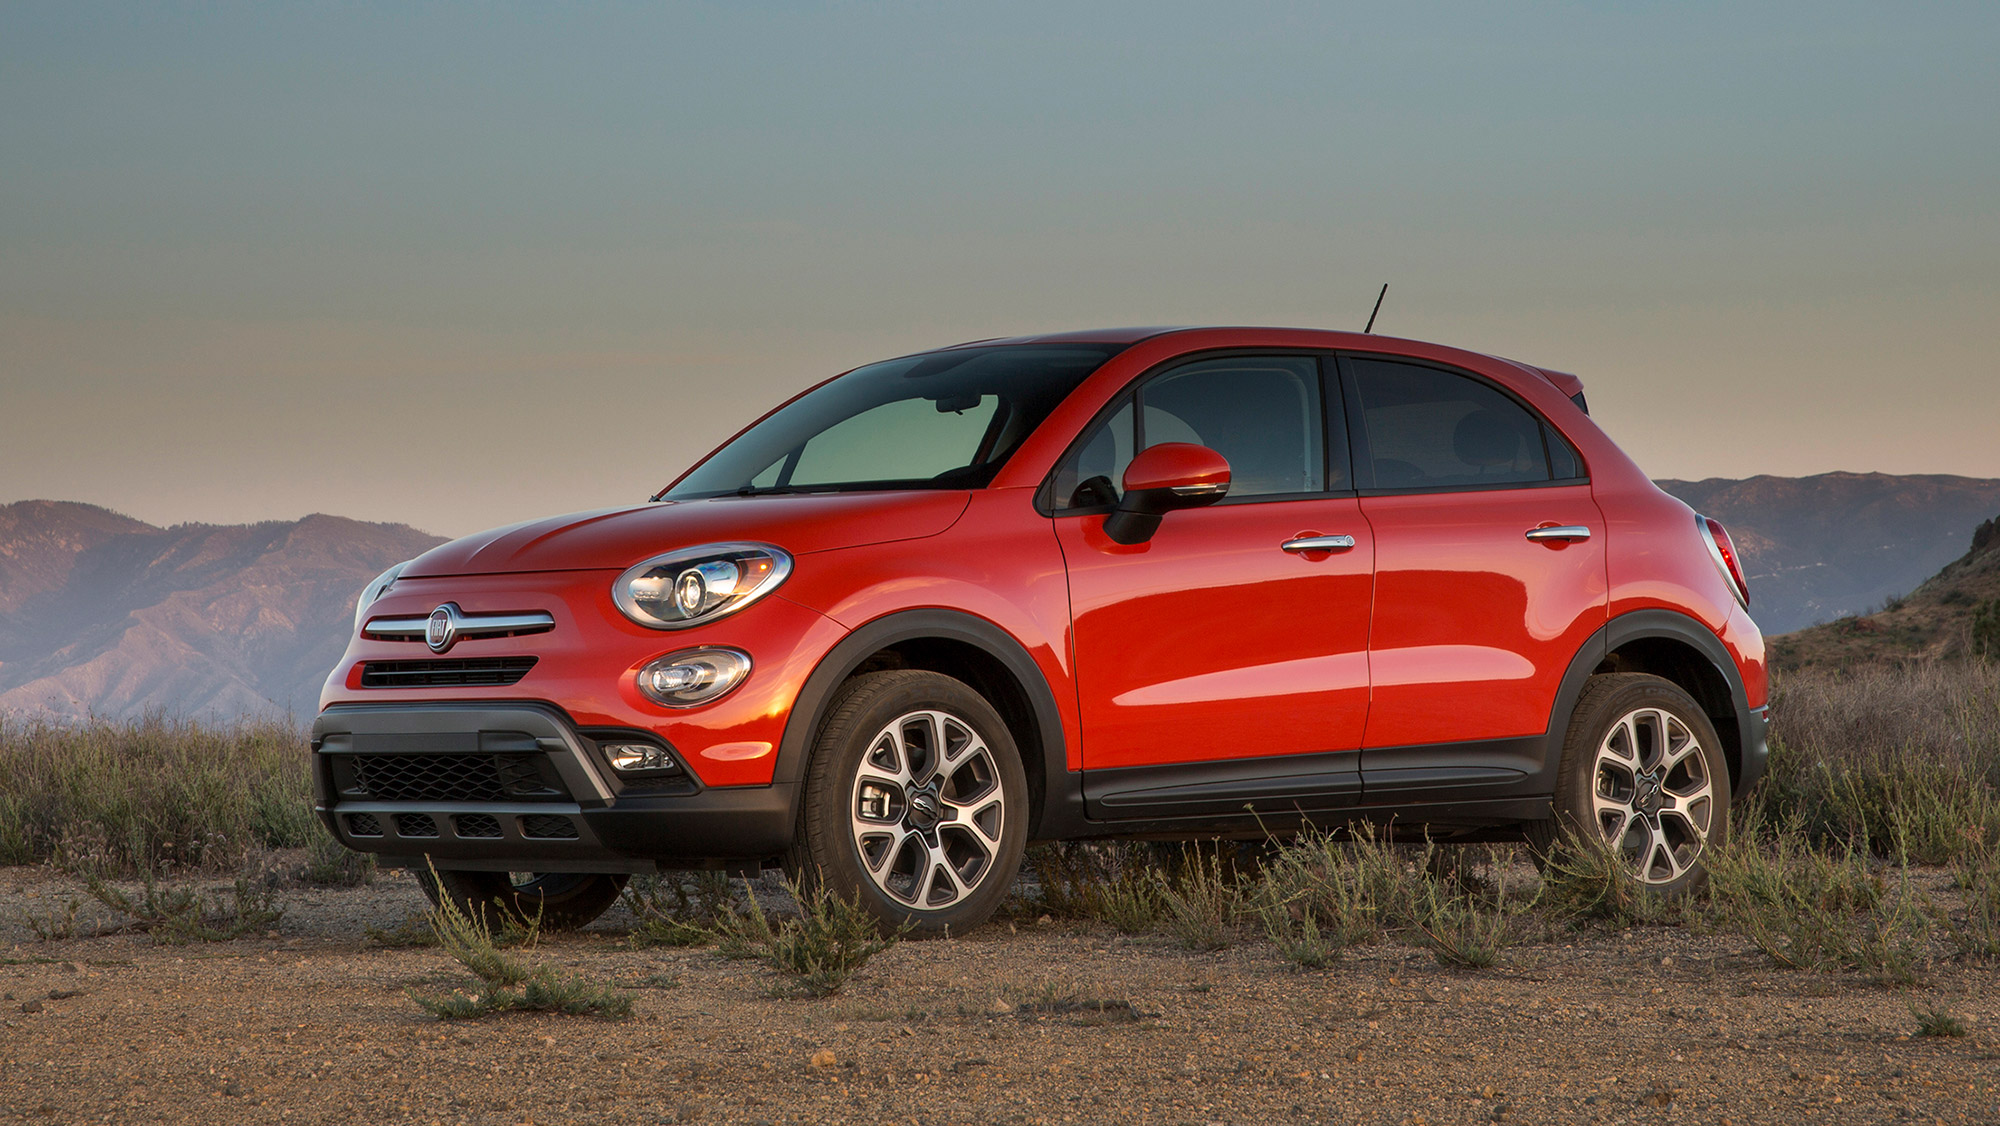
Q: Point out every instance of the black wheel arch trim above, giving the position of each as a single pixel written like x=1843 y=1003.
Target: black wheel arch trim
x=1672 y=625
x=810 y=708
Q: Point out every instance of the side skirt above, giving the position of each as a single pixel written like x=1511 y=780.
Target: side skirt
x=1456 y=788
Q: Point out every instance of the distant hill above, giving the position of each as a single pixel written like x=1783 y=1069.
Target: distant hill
x=1838 y=544
x=1955 y=612
x=103 y=614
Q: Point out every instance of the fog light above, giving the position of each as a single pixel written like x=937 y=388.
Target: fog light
x=693 y=676
x=639 y=756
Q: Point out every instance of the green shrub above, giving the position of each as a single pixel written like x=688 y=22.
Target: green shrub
x=1203 y=902
x=1975 y=932
x=1986 y=630
x=1588 y=882
x=678 y=908
x=1113 y=881
x=819 y=950
x=179 y=915
x=1134 y=902
x=1818 y=910
x=504 y=982
x=1936 y=1020
x=1352 y=887
x=1460 y=930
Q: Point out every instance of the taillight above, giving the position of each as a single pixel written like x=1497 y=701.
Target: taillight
x=1723 y=550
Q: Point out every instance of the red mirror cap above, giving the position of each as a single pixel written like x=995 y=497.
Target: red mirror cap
x=1181 y=466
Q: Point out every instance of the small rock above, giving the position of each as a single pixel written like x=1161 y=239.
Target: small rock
x=1000 y=1007
x=824 y=1058
x=232 y=1088
x=31 y=1006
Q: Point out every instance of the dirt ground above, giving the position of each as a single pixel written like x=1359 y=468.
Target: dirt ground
x=1024 y=1023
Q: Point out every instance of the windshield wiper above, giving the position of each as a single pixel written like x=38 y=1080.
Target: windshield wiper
x=783 y=490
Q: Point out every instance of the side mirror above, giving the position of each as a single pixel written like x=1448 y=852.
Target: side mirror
x=1161 y=479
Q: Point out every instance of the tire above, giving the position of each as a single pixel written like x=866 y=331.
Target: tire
x=1642 y=773
x=562 y=900
x=916 y=804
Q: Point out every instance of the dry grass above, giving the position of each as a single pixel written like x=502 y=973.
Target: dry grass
x=152 y=795
x=1872 y=773
x=1897 y=761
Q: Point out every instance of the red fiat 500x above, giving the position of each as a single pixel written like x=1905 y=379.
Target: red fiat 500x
x=1140 y=583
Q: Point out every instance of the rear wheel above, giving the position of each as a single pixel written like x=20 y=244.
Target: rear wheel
x=1642 y=775
x=915 y=803
x=561 y=900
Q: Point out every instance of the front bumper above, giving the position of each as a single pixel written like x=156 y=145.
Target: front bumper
x=517 y=786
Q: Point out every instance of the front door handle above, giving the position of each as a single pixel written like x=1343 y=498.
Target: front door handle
x=1320 y=543
x=1568 y=532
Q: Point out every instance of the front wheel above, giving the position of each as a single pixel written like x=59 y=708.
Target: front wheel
x=561 y=901
x=1642 y=775
x=916 y=804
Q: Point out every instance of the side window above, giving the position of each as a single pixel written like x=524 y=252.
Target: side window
x=1261 y=413
x=1421 y=428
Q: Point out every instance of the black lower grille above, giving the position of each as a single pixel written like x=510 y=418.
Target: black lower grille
x=447 y=778
x=363 y=825
x=463 y=672
x=547 y=827
x=416 y=825
x=478 y=825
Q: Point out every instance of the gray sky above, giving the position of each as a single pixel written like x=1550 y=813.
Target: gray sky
x=461 y=265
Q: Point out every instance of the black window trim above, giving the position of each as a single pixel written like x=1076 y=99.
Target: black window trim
x=1331 y=391
x=1357 y=438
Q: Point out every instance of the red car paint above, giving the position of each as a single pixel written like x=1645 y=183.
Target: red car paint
x=1441 y=625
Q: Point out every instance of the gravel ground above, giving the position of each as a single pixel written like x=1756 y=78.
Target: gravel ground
x=1024 y=1023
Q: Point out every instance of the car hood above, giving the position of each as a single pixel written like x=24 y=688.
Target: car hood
x=613 y=539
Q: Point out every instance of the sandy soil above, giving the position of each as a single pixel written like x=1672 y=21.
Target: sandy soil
x=313 y=1024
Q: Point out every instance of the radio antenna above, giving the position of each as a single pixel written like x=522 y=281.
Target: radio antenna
x=1377 y=309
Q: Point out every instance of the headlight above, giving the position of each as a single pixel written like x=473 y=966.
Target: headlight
x=693 y=676
x=375 y=590
x=699 y=584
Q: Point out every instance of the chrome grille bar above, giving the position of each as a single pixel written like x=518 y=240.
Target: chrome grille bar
x=469 y=625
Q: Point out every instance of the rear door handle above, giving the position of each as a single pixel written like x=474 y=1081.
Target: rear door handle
x=1320 y=543
x=1568 y=532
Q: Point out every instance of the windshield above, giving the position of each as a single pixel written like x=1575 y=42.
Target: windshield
x=940 y=420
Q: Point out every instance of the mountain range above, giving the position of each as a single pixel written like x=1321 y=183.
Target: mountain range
x=101 y=614
x=1839 y=544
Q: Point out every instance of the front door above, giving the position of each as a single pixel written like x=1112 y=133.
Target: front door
x=1212 y=657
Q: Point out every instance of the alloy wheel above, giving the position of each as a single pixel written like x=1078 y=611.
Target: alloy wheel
x=1652 y=797
x=927 y=809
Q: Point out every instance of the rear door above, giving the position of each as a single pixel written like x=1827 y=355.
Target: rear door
x=1489 y=576
x=1216 y=667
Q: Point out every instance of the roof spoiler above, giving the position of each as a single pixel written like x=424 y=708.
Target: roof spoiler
x=1569 y=385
